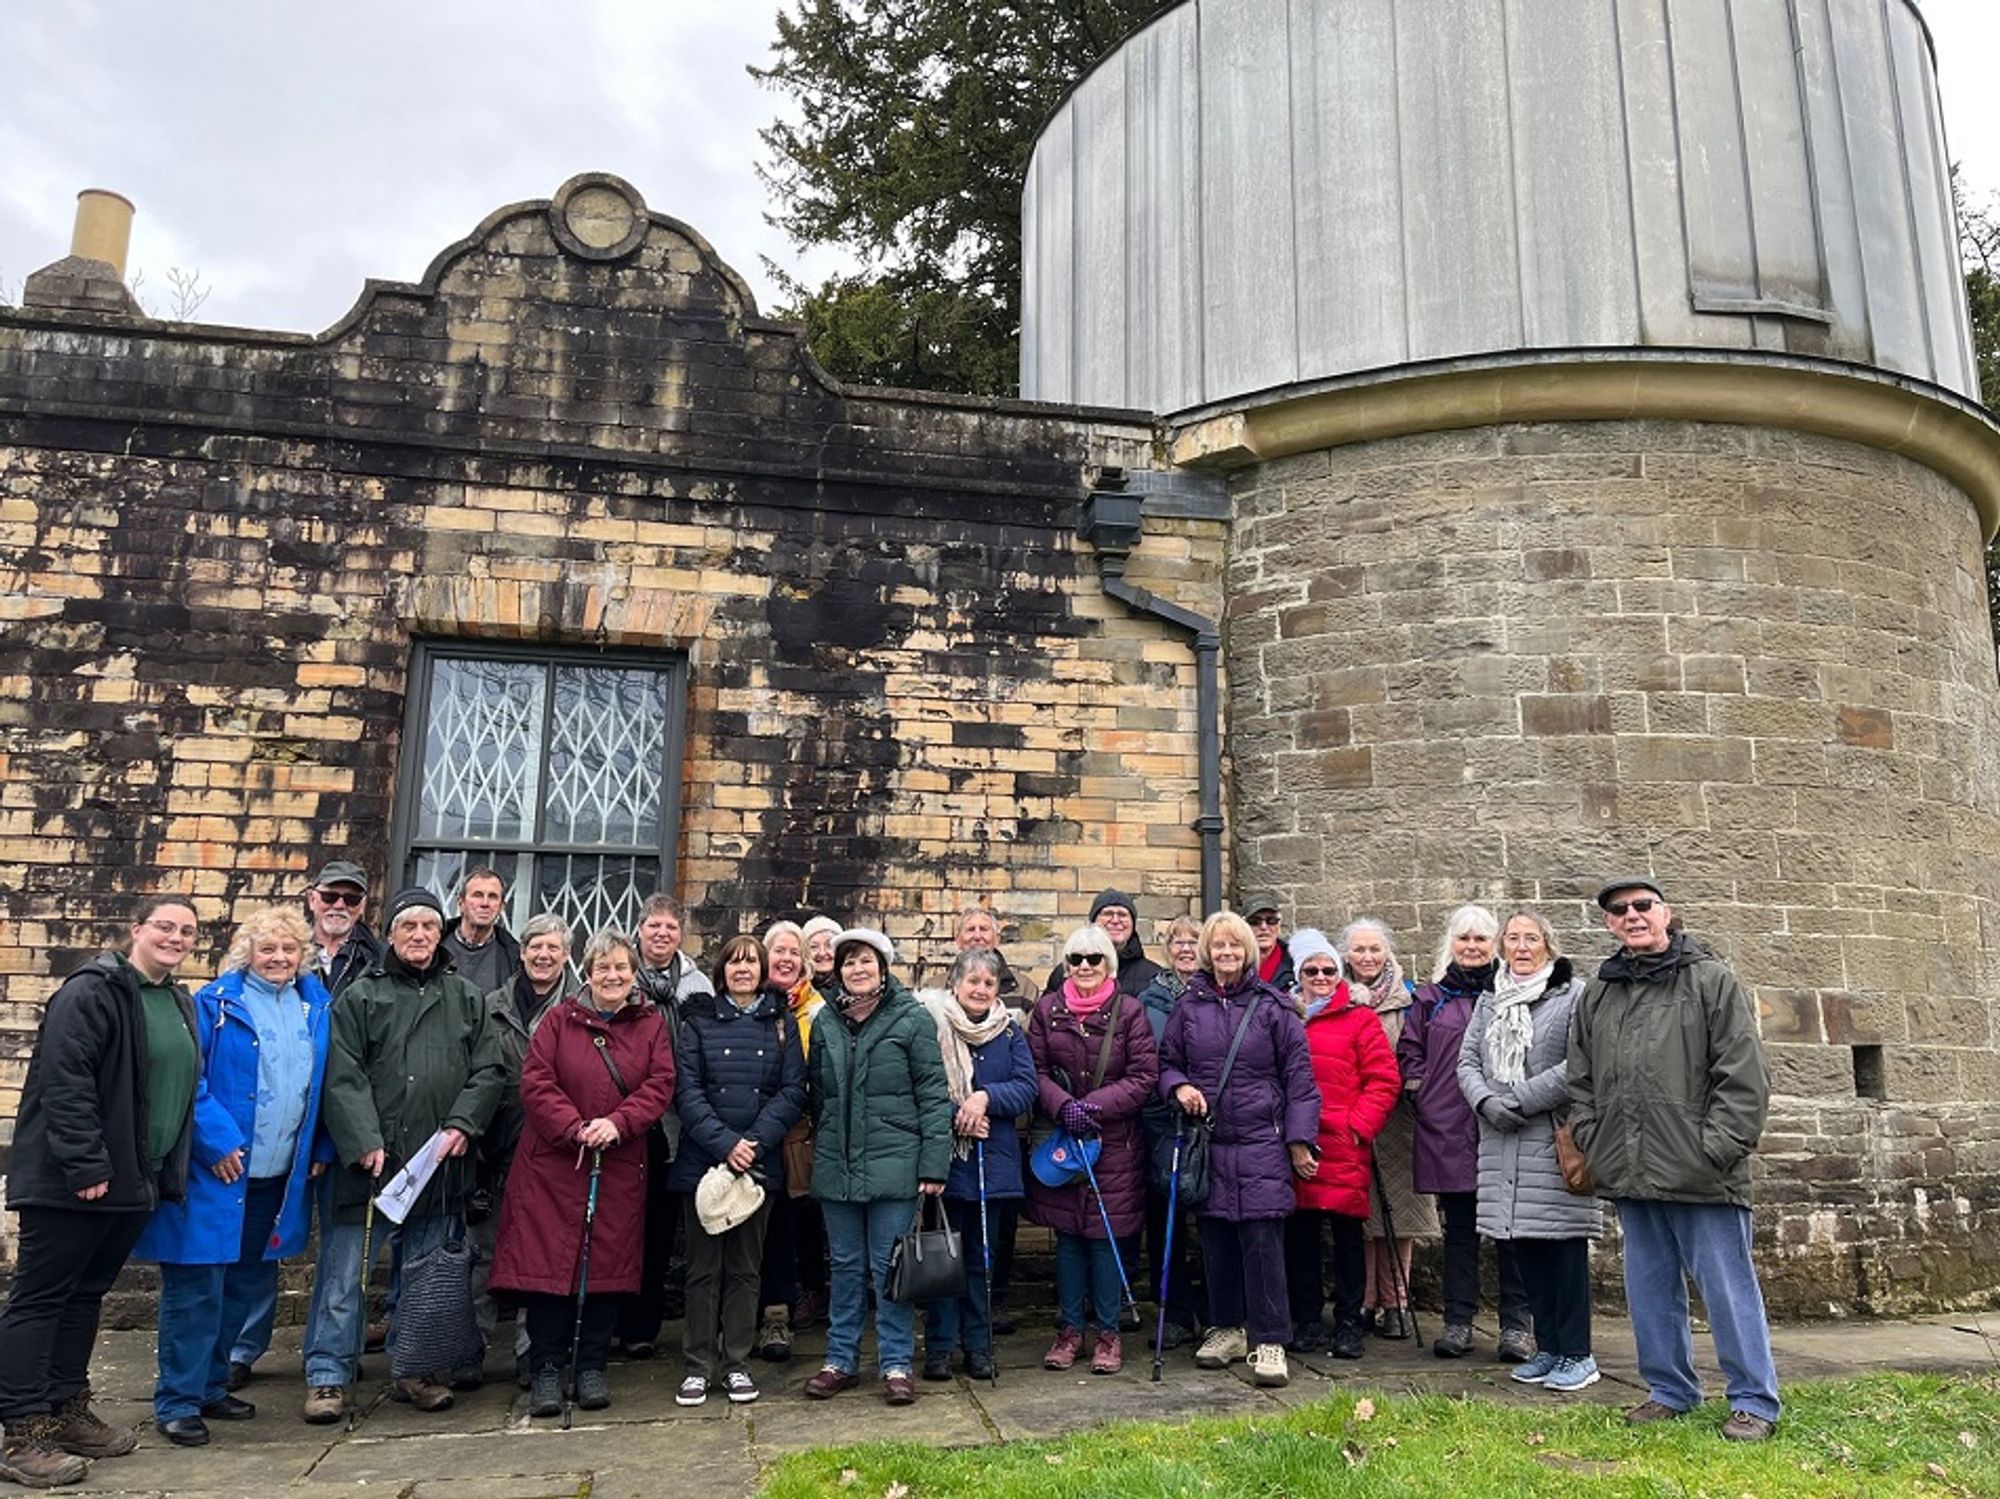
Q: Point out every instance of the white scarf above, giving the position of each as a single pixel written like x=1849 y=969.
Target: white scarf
x=1512 y=1027
x=957 y=1034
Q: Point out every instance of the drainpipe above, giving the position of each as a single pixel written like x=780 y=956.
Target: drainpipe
x=1111 y=523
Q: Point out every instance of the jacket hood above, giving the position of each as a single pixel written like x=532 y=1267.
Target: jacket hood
x=1628 y=967
x=390 y=965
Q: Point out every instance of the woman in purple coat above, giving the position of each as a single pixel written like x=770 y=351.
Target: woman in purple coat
x=1094 y=1052
x=1447 y=1135
x=1265 y=1131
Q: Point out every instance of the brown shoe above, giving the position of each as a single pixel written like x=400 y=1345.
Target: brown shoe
x=898 y=1388
x=30 y=1457
x=829 y=1382
x=79 y=1431
x=1743 y=1426
x=1108 y=1354
x=424 y=1394
x=375 y=1338
x=1064 y=1350
x=325 y=1404
x=1647 y=1412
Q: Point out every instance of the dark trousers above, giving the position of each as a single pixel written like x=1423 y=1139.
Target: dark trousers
x=1556 y=1273
x=1304 y=1273
x=960 y=1322
x=778 y=1275
x=1006 y=1219
x=641 y=1313
x=1183 y=1295
x=66 y=1259
x=1245 y=1263
x=1460 y=1211
x=722 y=1292
x=552 y=1320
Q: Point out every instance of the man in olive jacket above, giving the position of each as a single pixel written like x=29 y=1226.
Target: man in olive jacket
x=1668 y=1092
x=414 y=1054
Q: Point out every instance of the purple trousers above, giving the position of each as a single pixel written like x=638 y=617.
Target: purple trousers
x=1246 y=1277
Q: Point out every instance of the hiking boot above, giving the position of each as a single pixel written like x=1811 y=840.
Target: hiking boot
x=325 y=1404
x=1743 y=1426
x=545 y=1399
x=79 y=1431
x=1222 y=1347
x=1176 y=1335
x=979 y=1366
x=1348 y=1341
x=466 y=1378
x=1394 y=1324
x=424 y=1393
x=1064 y=1350
x=30 y=1457
x=1456 y=1341
x=593 y=1389
x=1107 y=1356
x=829 y=1382
x=1649 y=1411
x=1306 y=1336
x=1535 y=1370
x=937 y=1366
x=739 y=1387
x=1515 y=1347
x=898 y=1388
x=774 y=1338
x=1267 y=1365
x=1572 y=1374
x=240 y=1375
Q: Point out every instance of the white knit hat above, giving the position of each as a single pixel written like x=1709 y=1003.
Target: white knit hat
x=724 y=1198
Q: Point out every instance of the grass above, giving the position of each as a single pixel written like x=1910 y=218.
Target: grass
x=1884 y=1435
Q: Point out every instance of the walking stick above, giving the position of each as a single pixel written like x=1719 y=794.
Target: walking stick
x=367 y=1259
x=1399 y=1280
x=985 y=1257
x=582 y=1286
x=1110 y=1237
x=1167 y=1251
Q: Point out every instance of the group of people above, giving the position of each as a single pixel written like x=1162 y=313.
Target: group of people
x=769 y=1129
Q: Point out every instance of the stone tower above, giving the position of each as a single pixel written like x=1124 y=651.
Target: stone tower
x=1596 y=392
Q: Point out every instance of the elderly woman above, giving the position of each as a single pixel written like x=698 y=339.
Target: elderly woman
x=741 y=1085
x=991 y=1072
x=1098 y=1065
x=263 y=1028
x=820 y=933
x=1355 y=1072
x=101 y=1140
x=1159 y=998
x=882 y=1113
x=1116 y=914
x=598 y=1076
x=1235 y=1057
x=1447 y=1135
x=1376 y=978
x=1513 y=1068
x=795 y=1244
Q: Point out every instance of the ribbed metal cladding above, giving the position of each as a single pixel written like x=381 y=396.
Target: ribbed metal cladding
x=1254 y=194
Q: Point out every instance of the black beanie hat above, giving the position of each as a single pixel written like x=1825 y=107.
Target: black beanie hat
x=1112 y=898
x=413 y=899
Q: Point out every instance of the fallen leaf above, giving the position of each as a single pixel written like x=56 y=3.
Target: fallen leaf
x=1364 y=1410
x=849 y=1477
x=1388 y=1441
x=897 y=1490
x=1355 y=1454
x=1053 y=1459
x=1936 y=1470
x=1537 y=1439
x=1968 y=1441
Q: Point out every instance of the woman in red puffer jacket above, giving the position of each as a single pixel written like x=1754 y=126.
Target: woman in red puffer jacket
x=1358 y=1086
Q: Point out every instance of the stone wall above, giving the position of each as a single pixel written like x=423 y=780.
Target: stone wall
x=1499 y=664
x=906 y=686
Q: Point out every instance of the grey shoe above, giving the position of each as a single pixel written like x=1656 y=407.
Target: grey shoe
x=1516 y=1347
x=546 y=1397
x=1455 y=1343
x=593 y=1390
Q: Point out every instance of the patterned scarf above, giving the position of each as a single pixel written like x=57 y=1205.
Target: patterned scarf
x=957 y=1034
x=1385 y=991
x=1512 y=1027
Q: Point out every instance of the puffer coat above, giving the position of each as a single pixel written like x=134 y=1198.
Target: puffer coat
x=881 y=1107
x=1271 y=1101
x=1005 y=1068
x=1065 y=1049
x=1446 y=1154
x=1358 y=1083
x=741 y=1075
x=564 y=1085
x=1521 y=1191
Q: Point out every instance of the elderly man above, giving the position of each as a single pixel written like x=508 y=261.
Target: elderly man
x=1274 y=954
x=342 y=946
x=413 y=1056
x=1118 y=915
x=483 y=951
x=1668 y=1092
x=980 y=928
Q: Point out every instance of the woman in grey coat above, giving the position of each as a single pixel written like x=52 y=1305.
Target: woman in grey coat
x=1514 y=1070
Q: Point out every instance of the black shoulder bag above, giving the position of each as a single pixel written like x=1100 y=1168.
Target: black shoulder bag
x=1194 y=1148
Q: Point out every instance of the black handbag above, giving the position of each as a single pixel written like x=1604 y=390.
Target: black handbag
x=1197 y=1133
x=436 y=1330
x=927 y=1264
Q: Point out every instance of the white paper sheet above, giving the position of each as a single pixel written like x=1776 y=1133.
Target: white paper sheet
x=407 y=1185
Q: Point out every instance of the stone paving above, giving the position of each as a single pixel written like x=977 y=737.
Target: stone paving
x=644 y=1445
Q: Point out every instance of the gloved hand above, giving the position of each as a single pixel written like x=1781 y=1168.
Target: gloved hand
x=1500 y=1112
x=1079 y=1118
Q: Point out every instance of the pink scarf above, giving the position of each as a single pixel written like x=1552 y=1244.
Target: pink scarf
x=1084 y=1008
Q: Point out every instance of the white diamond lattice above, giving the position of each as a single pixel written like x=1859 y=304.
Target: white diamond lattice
x=604 y=756
x=482 y=755
x=595 y=891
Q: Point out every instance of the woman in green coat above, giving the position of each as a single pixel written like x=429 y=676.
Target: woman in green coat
x=881 y=1109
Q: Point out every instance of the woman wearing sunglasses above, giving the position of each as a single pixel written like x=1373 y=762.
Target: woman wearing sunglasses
x=1094 y=1052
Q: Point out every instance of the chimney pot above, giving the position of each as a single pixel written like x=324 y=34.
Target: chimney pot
x=103 y=227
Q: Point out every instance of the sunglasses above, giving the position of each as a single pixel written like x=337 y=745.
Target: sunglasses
x=1641 y=904
x=1265 y=919
x=1319 y=973
x=1085 y=960
x=353 y=898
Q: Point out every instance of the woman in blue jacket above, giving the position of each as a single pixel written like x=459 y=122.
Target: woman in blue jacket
x=992 y=1077
x=263 y=1029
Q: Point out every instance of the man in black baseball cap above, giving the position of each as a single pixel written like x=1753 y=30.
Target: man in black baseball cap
x=343 y=948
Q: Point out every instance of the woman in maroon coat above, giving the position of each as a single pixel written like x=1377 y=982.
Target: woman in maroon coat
x=1093 y=1086
x=598 y=1076
x=1358 y=1088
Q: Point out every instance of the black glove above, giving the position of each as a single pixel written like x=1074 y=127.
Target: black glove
x=1501 y=1113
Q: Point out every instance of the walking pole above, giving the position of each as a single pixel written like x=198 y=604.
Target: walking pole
x=582 y=1285
x=1110 y=1237
x=986 y=1257
x=1167 y=1251
x=1400 y=1280
x=361 y=1338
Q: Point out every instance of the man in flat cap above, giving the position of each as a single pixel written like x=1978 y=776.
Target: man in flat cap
x=1668 y=1093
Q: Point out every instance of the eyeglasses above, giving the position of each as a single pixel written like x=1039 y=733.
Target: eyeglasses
x=1641 y=904
x=1265 y=918
x=355 y=898
x=1319 y=972
x=173 y=929
x=1085 y=960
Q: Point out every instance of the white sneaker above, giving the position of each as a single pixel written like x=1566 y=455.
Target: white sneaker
x=693 y=1391
x=1267 y=1365
x=740 y=1387
x=1222 y=1347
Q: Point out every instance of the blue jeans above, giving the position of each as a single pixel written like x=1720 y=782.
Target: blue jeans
x=859 y=1236
x=961 y=1322
x=336 y=1322
x=254 y=1340
x=1665 y=1242
x=1086 y=1269
x=204 y=1307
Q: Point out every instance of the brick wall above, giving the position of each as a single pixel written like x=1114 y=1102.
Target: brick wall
x=1502 y=664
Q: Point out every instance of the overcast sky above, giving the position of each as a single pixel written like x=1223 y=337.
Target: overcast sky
x=289 y=151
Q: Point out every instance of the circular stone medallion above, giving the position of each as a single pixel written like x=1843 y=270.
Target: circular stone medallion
x=598 y=216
